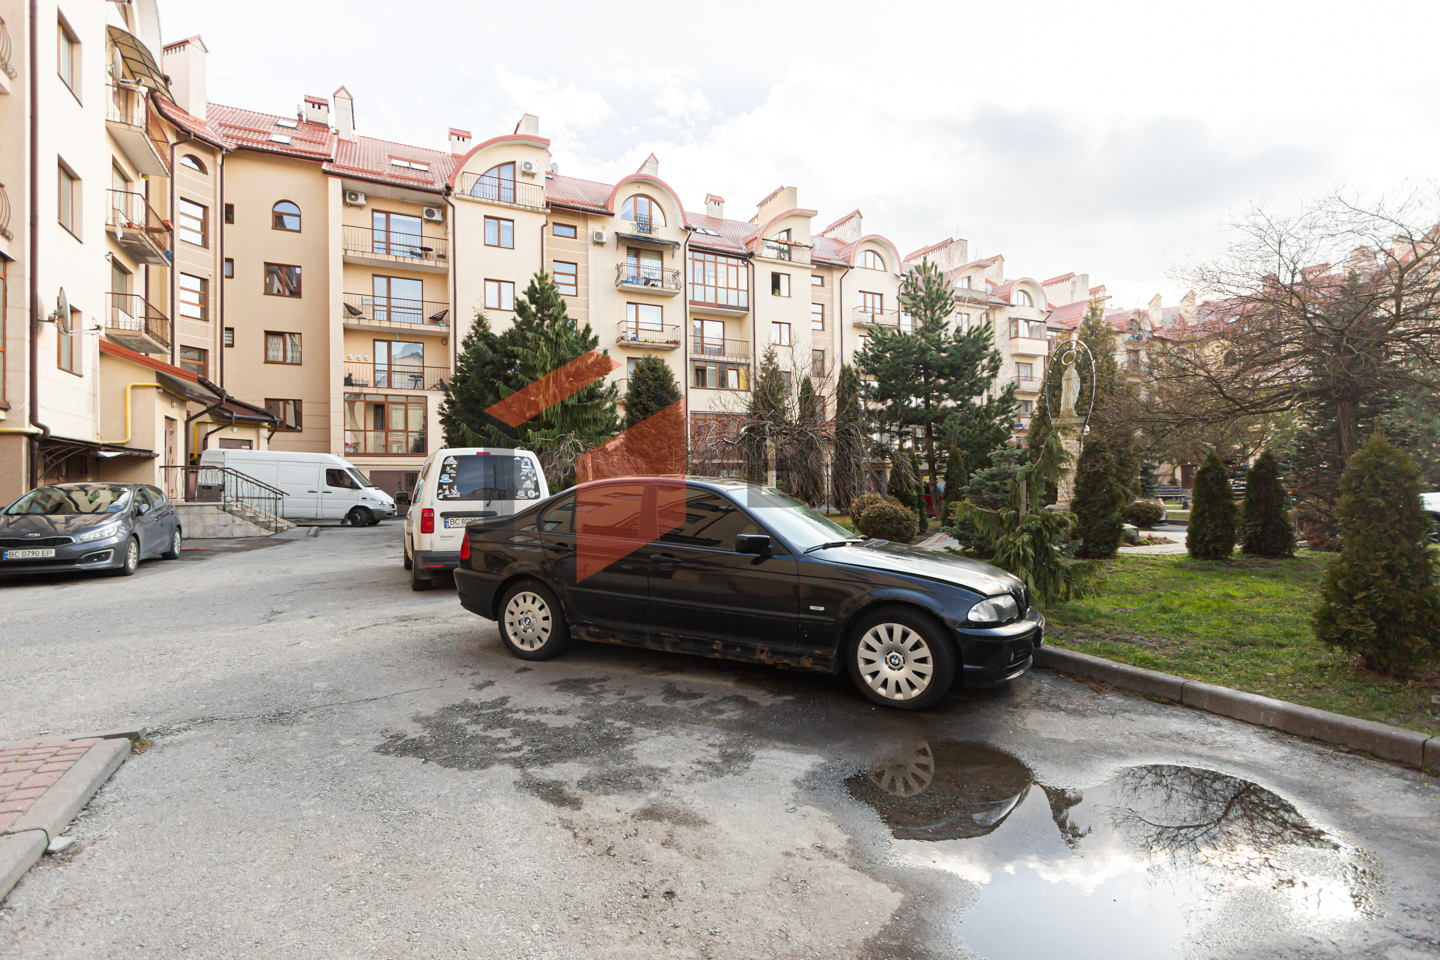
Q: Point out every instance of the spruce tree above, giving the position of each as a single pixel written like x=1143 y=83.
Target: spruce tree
x=1111 y=392
x=805 y=454
x=917 y=493
x=484 y=367
x=652 y=389
x=1379 y=598
x=1268 y=531
x=1099 y=501
x=766 y=418
x=847 y=463
x=1211 y=535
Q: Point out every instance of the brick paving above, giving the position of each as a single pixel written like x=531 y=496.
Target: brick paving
x=27 y=770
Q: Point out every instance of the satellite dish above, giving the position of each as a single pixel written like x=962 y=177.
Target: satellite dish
x=62 y=308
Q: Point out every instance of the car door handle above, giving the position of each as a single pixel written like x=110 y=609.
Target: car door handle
x=309 y=491
x=560 y=546
x=668 y=559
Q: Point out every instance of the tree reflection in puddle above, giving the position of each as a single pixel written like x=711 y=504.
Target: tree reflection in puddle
x=1155 y=861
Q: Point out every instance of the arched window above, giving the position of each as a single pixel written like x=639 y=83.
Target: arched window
x=193 y=162
x=497 y=183
x=870 y=260
x=646 y=213
x=286 y=216
x=1023 y=299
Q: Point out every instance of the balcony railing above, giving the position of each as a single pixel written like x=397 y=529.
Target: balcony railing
x=133 y=319
x=138 y=228
x=622 y=389
x=785 y=250
x=396 y=246
x=394 y=376
x=137 y=129
x=653 y=338
x=5 y=214
x=5 y=65
x=715 y=347
x=865 y=316
x=363 y=306
x=656 y=279
x=515 y=193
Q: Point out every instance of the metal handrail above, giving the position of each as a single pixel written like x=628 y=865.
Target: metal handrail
x=364 y=306
x=714 y=347
x=131 y=106
x=396 y=245
x=131 y=209
x=668 y=335
x=635 y=275
x=133 y=313
x=515 y=193
x=198 y=483
x=393 y=376
x=622 y=387
x=10 y=71
x=888 y=318
x=5 y=208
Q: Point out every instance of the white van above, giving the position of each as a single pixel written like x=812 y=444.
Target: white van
x=317 y=486
x=457 y=486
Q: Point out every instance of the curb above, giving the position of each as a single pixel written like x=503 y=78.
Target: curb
x=24 y=843
x=1379 y=739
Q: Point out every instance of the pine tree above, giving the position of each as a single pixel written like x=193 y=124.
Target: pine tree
x=1379 y=598
x=806 y=453
x=1211 y=535
x=847 y=466
x=1099 y=501
x=767 y=416
x=1268 y=531
x=652 y=389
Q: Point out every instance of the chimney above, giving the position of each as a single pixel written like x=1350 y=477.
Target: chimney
x=651 y=166
x=1187 y=307
x=184 y=62
x=714 y=206
x=1155 y=312
x=529 y=125
x=555 y=168
x=459 y=141
x=345 y=114
x=317 y=110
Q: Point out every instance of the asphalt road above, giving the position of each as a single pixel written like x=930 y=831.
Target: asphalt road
x=344 y=768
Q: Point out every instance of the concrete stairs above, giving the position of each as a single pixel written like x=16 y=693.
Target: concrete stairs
x=227 y=521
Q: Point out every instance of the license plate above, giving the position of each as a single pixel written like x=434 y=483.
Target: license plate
x=451 y=522
x=29 y=554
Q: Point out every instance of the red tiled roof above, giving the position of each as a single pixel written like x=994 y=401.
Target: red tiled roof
x=1095 y=290
x=1001 y=291
x=732 y=234
x=190 y=124
x=457 y=132
x=369 y=159
x=1062 y=277
x=1069 y=315
x=577 y=194
x=830 y=251
x=252 y=130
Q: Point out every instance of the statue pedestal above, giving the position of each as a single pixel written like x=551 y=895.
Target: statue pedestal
x=1069 y=426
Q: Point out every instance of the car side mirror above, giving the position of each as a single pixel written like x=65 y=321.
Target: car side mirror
x=141 y=509
x=756 y=543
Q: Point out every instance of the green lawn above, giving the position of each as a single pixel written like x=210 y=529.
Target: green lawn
x=1243 y=624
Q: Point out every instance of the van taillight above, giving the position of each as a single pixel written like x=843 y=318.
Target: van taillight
x=427 y=520
x=465 y=547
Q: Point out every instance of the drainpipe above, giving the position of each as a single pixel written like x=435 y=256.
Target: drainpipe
x=543 y=224
x=219 y=402
x=44 y=434
x=685 y=371
x=220 y=284
x=840 y=313
x=454 y=283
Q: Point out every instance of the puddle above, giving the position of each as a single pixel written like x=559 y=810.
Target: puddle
x=1157 y=861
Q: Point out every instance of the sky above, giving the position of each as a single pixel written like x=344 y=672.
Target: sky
x=1115 y=139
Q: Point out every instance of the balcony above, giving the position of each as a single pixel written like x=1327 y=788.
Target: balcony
x=866 y=317
x=7 y=69
x=647 y=338
x=662 y=282
x=394 y=376
x=137 y=130
x=5 y=215
x=135 y=323
x=784 y=250
x=720 y=349
x=389 y=443
x=386 y=248
x=622 y=389
x=363 y=311
x=138 y=229
x=509 y=193
x=1029 y=346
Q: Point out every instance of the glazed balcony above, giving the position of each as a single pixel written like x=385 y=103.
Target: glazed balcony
x=647 y=338
x=389 y=248
x=664 y=282
x=137 y=324
x=508 y=193
x=366 y=311
x=139 y=230
x=393 y=376
x=137 y=129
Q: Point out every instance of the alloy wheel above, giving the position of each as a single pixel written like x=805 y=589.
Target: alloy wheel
x=132 y=555
x=527 y=621
x=895 y=661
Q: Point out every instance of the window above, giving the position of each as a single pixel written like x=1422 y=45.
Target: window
x=229 y=213
x=720 y=281
x=399 y=365
x=191 y=222
x=229 y=339
x=780 y=333
x=817 y=316
x=396 y=234
x=338 y=479
x=71 y=343
x=282 y=280
x=194 y=297
x=499 y=233
x=707 y=520
x=69 y=204
x=1024 y=371
x=567 y=278
x=560 y=518
x=566 y=230
x=286 y=216
x=964 y=283
x=69 y=63
x=816 y=280
x=497 y=183
x=194 y=163
x=287 y=411
x=397 y=299
x=817 y=363
x=282 y=347
x=721 y=376
x=644 y=267
x=788 y=379
x=872 y=304
x=963 y=322
x=1023 y=299
x=1026 y=408
x=499 y=295
x=708 y=337
x=229 y=268
x=642 y=316
x=385 y=424
x=1034 y=329
x=780 y=284
x=870 y=260
x=646 y=213
x=196 y=360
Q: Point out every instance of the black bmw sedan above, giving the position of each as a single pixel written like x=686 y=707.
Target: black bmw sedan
x=728 y=569
x=88 y=526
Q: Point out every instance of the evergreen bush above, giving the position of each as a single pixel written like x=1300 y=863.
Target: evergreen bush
x=917 y=494
x=954 y=481
x=1378 y=598
x=1265 y=523
x=1211 y=535
x=864 y=502
x=888 y=521
x=1143 y=513
x=652 y=389
x=1099 y=501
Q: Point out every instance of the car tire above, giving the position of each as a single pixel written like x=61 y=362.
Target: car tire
x=532 y=622
x=418 y=582
x=409 y=564
x=360 y=517
x=173 y=552
x=131 y=560
x=901 y=657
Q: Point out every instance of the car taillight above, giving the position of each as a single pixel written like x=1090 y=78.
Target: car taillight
x=465 y=547
x=427 y=520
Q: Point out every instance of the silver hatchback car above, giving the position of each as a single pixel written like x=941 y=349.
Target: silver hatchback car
x=88 y=526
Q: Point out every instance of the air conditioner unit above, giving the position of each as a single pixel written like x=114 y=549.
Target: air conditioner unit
x=528 y=168
x=597 y=236
x=355 y=198
x=435 y=214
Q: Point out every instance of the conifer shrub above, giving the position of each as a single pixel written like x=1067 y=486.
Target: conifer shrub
x=888 y=521
x=954 y=481
x=1143 y=513
x=1266 y=529
x=917 y=494
x=865 y=501
x=1099 y=502
x=1379 y=598
x=1211 y=535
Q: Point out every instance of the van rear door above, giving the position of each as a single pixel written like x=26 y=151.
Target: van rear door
x=474 y=486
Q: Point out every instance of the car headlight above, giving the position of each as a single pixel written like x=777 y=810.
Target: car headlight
x=994 y=610
x=100 y=533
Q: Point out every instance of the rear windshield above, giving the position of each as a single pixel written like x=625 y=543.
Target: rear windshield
x=481 y=476
x=55 y=501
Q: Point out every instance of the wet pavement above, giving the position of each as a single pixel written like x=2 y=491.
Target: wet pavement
x=342 y=767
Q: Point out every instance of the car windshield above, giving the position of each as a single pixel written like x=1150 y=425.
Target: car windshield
x=359 y=478
x=803 y=526
x=60 y=501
